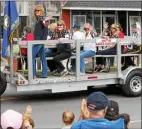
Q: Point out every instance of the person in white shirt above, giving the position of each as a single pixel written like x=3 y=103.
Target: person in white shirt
x=77 y=33
x=89 y=48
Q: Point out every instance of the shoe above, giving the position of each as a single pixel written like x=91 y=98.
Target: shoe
x=64 y=73
x=97 y=69
x=124 y=67
x=82 y=74
x=42 y=76
x=71 y=73
x=54 y=72
x=104 y=70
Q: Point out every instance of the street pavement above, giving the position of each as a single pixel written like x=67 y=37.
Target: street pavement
x=48 y=108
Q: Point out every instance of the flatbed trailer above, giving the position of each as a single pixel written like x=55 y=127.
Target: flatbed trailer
x=130 y=79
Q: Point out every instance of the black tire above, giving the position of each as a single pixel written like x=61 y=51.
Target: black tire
x=3 y=83
x=133 y=85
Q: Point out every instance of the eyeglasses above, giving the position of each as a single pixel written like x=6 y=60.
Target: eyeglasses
x=60 y=25
x=86 y=29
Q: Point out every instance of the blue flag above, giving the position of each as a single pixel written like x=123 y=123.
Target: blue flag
x=11 y=23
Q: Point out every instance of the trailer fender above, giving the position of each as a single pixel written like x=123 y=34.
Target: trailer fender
x=133 y=82
x=126 y=72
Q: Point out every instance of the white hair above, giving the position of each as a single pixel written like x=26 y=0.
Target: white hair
x=98 y=112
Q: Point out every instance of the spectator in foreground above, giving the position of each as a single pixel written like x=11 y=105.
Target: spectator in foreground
x=112 y=110
x=68 y=118
x=96 y=106
x=112 y=114
x=11 y=119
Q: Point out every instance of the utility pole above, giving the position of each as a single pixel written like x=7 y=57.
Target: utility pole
x=0 y=23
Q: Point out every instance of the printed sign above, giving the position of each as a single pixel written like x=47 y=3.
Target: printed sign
x=59 y=80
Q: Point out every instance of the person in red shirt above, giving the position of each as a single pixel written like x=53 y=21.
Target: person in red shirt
x=27 y=36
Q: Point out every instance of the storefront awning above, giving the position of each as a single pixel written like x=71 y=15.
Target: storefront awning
x=104 y=5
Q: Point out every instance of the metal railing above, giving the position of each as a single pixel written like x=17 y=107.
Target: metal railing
x=52 y=43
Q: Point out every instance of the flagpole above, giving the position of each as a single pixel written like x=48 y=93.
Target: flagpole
x=20 y=51
x=11 y=62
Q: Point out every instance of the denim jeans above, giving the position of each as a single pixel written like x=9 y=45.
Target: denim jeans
x=110 y=51
x=83 y=54
x=39 y=49
x=47 y=51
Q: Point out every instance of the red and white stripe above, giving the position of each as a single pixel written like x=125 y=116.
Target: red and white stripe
x=64 y=2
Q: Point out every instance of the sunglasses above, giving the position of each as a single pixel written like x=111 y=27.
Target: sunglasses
x=37 y=10
x=86 y=29
x=60 y=25
x=113 y=28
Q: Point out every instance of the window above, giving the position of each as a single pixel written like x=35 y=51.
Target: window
x=79 y=19
x=89 y=17
x=97 y=24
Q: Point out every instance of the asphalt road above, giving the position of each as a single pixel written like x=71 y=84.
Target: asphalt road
x=48 y=108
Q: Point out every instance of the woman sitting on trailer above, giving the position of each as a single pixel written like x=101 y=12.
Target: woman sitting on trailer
x=63 y=50
x=27 y=35
x=89 y=49
x=111 y=50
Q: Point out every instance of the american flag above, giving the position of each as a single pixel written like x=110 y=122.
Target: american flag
x=63 y=3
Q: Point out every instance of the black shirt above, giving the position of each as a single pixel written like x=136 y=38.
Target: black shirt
x=66 y=47
x=40 y=31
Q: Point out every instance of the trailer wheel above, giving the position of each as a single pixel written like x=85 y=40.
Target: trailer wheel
x=133 y=85
x=3 y=83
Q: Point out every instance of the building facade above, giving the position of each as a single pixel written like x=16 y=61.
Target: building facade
x=97 y=13
x=26 y=11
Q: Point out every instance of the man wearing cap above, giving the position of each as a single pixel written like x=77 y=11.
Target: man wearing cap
x=96 y=107
x=76 y=35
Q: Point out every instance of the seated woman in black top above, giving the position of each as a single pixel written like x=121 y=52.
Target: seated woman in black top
x=63 y=51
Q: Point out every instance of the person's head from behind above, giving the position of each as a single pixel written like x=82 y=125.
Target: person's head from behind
x=11 y=119
x=112 y=110
x=68 y=118
x=27 y=30
x=97 y=104
x=76 y=27
x=53 y=27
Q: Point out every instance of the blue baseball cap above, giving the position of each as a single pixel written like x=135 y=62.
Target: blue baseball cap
x=77 y=26
x=97 y=101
